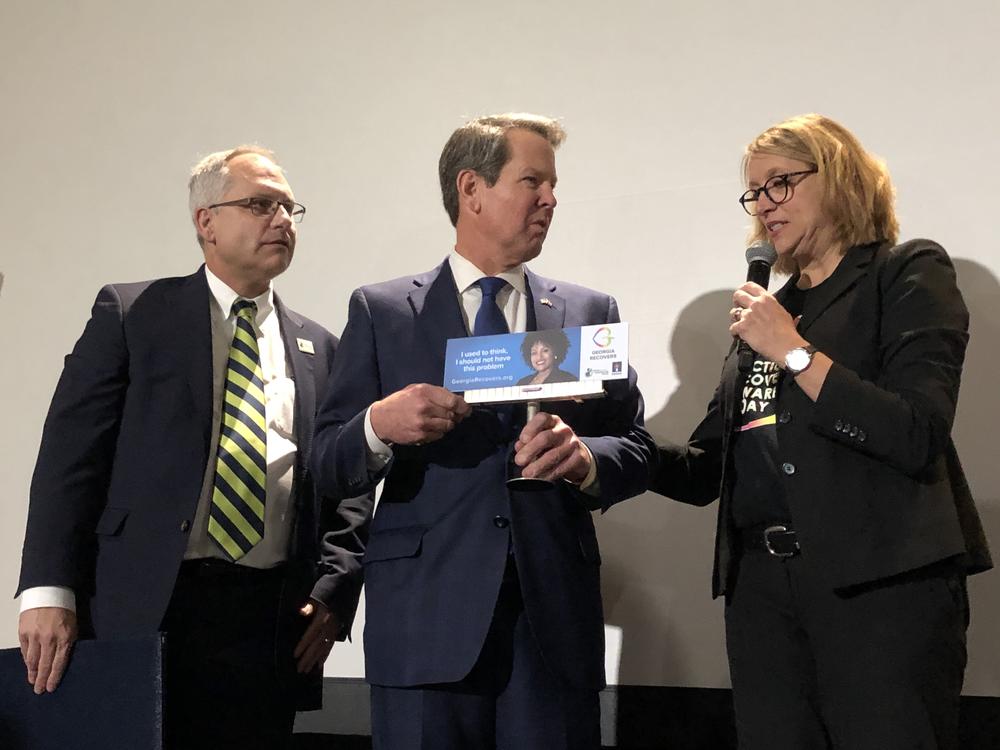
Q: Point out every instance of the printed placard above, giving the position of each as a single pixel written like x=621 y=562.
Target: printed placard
x=586 y=354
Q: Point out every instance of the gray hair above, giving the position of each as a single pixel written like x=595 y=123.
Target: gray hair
x=481 y=145
x=210 y=177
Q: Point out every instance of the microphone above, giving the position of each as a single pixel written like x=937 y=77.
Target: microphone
x=760 y=257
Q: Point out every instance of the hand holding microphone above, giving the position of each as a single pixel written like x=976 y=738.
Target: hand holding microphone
x=759 y=320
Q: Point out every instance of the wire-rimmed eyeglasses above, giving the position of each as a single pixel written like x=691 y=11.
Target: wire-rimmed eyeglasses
x=261 y=206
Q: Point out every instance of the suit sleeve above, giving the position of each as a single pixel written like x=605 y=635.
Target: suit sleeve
x=343 y=535
x=692 y=473
x=625 y=452
x=339 y=457
x=70 y=481
x=904 y=416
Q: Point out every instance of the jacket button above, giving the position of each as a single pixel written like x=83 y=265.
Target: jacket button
x=185 y=525
x=785 y=417
x=862 y=436
x=788 y=468
x=500 y=522
x=838 y=425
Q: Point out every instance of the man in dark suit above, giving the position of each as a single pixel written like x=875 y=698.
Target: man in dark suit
x=484 y=619
x=172 y=491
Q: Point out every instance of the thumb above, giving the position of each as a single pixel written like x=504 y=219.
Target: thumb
x=306 y=609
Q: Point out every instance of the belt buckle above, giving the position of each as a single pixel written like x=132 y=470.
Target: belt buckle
x=767 y=541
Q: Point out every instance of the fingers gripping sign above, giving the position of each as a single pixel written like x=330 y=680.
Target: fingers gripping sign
x=549 y=449
x=418 y=414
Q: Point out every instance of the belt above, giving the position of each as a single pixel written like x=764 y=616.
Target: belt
x=211 y=567
x=777 y=539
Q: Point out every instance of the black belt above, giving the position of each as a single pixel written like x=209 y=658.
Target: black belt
x=211 y=567
x=778 y=539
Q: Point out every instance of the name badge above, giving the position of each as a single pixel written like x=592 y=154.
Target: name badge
x=305 y=345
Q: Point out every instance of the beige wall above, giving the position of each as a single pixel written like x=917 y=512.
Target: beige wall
x=104 y=105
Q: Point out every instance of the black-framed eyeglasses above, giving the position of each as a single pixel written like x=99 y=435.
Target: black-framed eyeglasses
x=778 y=189
x=261 y=206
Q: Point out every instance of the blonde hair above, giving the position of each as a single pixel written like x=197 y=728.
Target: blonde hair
x=858 y=194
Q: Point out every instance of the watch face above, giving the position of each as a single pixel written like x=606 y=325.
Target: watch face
x=797 y=360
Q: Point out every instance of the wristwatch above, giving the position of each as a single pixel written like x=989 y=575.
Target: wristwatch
x=799 y=359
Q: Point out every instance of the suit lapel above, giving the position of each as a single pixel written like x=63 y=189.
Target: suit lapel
x=848 y=272
x=301 y=363
x=549 y=308
x=436 y=311
x=189 y=306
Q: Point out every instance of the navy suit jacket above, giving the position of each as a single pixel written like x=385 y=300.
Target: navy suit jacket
x=445 y=520
x=124 y=452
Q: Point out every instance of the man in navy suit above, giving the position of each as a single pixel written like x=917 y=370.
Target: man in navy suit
x=484 y=619
x=172 y=491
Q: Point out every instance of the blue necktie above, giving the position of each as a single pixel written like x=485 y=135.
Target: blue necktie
x=490 y=319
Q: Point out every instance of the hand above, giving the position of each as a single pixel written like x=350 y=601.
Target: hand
x=317 y=642
x=547 y=448
x=418 y=414
x=761 y=321
x=47 y=635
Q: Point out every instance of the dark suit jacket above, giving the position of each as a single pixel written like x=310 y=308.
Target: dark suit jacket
x=440 y=537
x=873 y=482
x=124 y=452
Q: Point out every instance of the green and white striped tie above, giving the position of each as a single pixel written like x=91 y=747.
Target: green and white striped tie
x=236 y=518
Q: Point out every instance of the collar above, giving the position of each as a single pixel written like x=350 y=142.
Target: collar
x=225 y=297
x=466 y=274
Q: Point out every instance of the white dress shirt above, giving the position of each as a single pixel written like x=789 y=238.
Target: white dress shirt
x=279 y=407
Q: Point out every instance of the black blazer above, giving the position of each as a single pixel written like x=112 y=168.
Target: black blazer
x=124 y=452
x=873 y=482
x=446 y=521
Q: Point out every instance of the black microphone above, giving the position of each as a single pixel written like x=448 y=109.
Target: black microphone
x=760 y=257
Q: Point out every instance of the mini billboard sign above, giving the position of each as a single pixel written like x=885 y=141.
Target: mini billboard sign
x=537 y=365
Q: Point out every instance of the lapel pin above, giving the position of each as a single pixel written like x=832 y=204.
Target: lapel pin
x=546 y=301
x=305 y=345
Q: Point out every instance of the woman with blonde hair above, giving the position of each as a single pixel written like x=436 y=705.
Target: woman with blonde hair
x=846 y=528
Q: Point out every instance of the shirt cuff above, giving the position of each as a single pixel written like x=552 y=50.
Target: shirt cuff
x=378 y=453
x=48 y=596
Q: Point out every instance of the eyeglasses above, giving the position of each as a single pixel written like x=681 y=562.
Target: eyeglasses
x=260 y=206
x=778 y=189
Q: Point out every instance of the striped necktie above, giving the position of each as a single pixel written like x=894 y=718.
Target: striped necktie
x=236 y=518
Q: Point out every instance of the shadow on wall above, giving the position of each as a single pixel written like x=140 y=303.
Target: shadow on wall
x=657 y=554
x=977 y=419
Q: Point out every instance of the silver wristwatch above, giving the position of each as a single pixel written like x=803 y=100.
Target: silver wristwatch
x=799 y=359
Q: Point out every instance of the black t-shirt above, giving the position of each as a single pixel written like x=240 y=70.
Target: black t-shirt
x=758 y=489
